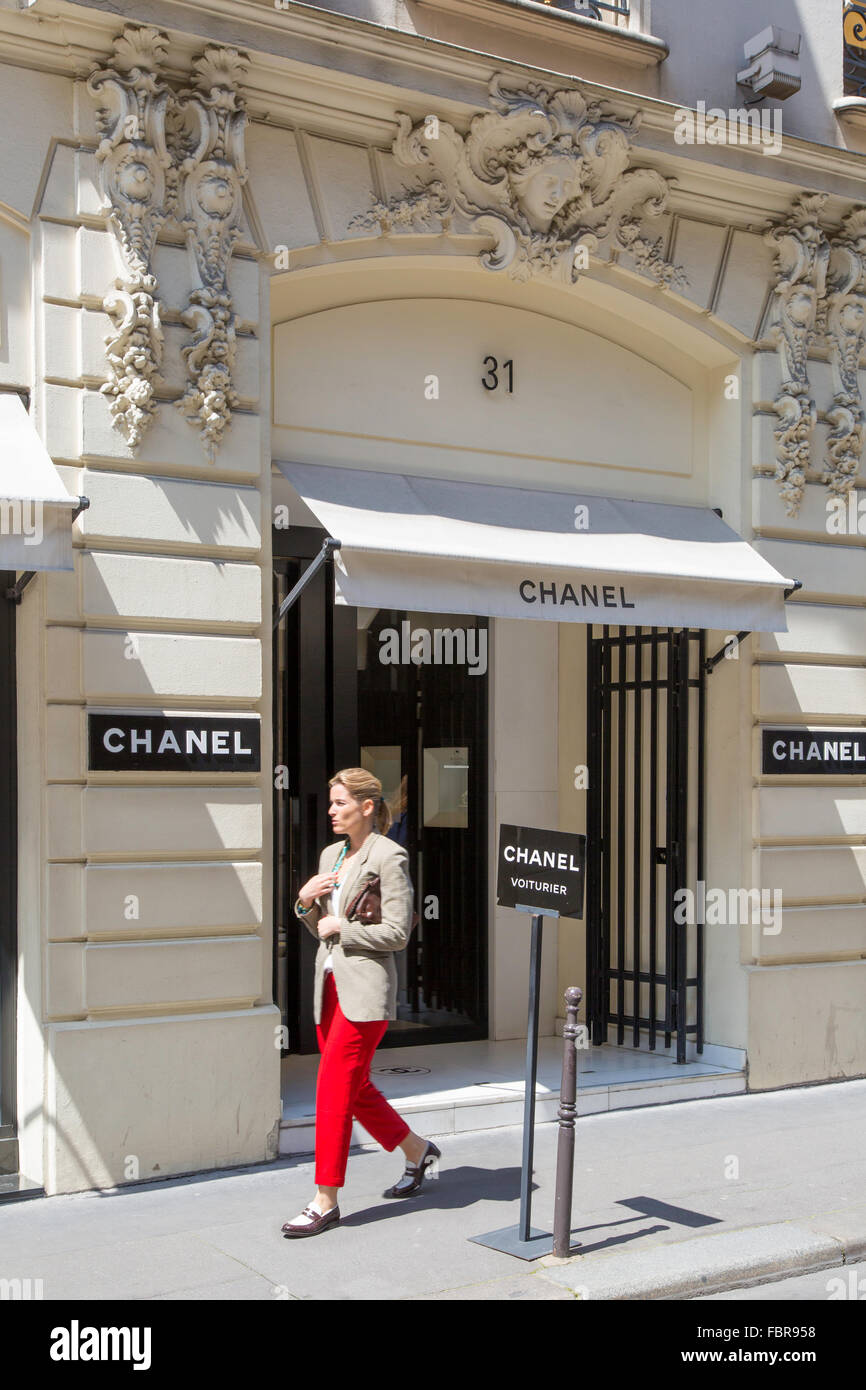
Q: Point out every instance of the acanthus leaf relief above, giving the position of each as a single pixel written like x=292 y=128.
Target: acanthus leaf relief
x=546 y=176
x=210 y=143
x=818 y=300
x=177 y=159
x=134 y=162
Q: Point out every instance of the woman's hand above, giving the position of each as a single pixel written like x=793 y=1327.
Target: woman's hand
x=316 y=887
x=328 y=926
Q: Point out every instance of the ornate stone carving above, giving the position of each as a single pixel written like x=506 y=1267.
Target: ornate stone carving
x=802 y=254
x=846 y=332
x=208 y=142
x=134 y=163
x=545 y=175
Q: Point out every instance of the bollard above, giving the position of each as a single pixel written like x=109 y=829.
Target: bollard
x=567 y=1113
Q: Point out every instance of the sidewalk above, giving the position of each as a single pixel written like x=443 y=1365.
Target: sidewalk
x=670 y=1201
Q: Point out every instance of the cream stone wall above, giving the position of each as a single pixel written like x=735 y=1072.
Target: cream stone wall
x=807 y=985
x=154 y=1005
x=146 y=1044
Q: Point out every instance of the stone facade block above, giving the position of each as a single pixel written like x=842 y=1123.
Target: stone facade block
x=64 y=821
x=59 y=261
x=149 y=665
x=806 y=1023
x=64 y=902
x=814 y=933
x=136 y=975
x=64 y=979
x=816 y=629
x=171 y=443
x=64 y=745
x=824 y=874
x=162 y=511
x=58 y=198
x=99 y=262
x=63 y=663
x=827 y=571
x=137 y=900
x=132 y=587
x=792 y=691
x=61 y=341
x=815 y=812
x=88 y=197
x=61 y=421
x=278 y=188
x=219 y=1115
x=180 y=821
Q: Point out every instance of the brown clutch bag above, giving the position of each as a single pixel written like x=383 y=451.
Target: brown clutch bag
x=366 y=906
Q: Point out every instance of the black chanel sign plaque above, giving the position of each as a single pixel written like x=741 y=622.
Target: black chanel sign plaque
x=814 y=750
x=541 y=869
x=130 y=742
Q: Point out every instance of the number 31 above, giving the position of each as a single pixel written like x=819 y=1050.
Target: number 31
x=490 y=382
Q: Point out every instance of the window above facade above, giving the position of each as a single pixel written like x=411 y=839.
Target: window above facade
x=854 y=41
x=611 y=11
x=616 y=30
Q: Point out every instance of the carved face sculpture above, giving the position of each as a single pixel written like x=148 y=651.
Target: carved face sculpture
x=543 y=190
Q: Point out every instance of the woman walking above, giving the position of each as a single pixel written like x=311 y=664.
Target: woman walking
x=355 y=991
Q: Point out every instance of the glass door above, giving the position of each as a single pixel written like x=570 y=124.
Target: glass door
x=422 y=729
x=405 y=695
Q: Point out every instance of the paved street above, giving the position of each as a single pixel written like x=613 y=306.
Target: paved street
x=669 y=1201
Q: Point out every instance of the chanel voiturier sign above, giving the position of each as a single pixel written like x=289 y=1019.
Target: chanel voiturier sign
x=130 y=742
x=542 y=869
x=814 y=750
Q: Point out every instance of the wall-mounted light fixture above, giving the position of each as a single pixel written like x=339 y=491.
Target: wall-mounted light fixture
x=774 y=64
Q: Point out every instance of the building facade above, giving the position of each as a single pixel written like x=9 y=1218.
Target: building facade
x=414 y=271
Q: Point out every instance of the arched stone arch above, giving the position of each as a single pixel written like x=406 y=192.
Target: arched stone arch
x=616 y=387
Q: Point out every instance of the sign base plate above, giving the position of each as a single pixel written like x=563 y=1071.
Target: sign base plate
x=508 y=1241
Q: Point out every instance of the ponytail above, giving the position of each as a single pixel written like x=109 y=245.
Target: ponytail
x=363 y=786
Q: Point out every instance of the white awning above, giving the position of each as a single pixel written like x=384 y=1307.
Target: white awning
x=35 y=508
x=507 y=552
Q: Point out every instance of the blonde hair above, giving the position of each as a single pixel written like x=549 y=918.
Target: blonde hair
x=363 y=786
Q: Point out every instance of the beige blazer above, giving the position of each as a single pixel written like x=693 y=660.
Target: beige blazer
x=362 y=955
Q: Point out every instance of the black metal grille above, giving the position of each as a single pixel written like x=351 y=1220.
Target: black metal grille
x=646 y=714
x=593 y=9
x=854 y=45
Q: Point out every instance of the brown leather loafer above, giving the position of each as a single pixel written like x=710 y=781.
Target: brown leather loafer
x=315 y=1223
x=414 y=1174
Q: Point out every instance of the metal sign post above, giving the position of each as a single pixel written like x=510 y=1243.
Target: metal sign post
x=526 y=1241
x=550 y=865
x=525 y=1227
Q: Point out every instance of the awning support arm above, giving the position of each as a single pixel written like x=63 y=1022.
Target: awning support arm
x=17 y=589
x=328 y=547
x=712 y=661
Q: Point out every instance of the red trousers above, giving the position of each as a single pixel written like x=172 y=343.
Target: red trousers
x=345 y=1092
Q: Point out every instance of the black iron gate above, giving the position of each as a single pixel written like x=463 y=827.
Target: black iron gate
x=645 y=823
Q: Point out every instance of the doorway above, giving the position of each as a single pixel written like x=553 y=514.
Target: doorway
x=404 y=695
x=646 y=712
